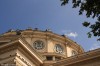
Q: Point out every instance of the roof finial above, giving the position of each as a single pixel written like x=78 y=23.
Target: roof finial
x=29 y=28
x=48 y=30
x=10 y=30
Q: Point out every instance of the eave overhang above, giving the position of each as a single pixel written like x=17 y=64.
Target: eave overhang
x=90 y=55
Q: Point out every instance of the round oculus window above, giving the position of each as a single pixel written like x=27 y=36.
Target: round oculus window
x=74 y=52
x=38 y=45
x=58 y=48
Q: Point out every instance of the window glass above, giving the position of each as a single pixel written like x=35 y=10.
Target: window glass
x=49 y=58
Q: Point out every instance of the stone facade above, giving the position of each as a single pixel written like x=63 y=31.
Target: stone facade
x=43 y=48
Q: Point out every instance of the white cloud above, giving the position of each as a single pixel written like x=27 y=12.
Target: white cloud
x=95 y=46
x=69 y=33
x=72 y=34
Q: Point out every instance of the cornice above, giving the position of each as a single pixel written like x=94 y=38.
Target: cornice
x=51 y=62
x=22 y=59
x=20 y=43
x=8 y=47
x=30 y=48
x=44 y=35
x=54 y=54
x=28 y=55
x=9 y=38
x=11 y=56
x=53 y=36
x=35 y=32
x=38 y=32
x=76 y=47
x=79 y=58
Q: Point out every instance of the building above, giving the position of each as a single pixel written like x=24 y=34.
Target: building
x=43 y=48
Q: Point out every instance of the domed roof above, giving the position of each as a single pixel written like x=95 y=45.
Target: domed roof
x=53 y=44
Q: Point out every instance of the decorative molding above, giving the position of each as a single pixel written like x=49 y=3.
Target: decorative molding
x=26 y=49
x=29 y=48
x=7 y=57
x=44 y=35
x=79 y=58
x=54 y=54
x=7 y=49
x=22 y=59
x=19 y=43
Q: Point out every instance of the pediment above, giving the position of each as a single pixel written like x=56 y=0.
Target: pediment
x=23 y=51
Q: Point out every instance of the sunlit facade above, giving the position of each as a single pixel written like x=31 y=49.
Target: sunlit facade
x=33 y=47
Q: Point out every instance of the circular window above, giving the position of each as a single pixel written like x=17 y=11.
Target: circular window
x=58 y=48
x=74 y=52
x=38 y=45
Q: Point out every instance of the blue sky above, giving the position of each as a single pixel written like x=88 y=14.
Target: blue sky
x=46 y=14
